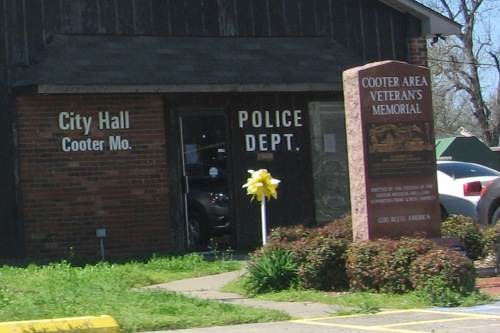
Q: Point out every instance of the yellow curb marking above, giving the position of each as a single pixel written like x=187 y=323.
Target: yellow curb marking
x=392 y=327
x=365 y=328
x=101 y=324
x=465 y=314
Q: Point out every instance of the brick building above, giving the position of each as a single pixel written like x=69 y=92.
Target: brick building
x=111 y=111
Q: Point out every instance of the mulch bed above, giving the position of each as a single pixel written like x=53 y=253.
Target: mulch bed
x=489 y=277
x=489 y=285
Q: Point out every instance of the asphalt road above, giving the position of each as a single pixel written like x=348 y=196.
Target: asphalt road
x=319 y=318
x=480 y=319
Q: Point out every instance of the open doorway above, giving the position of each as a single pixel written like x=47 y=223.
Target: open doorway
x=206 y=194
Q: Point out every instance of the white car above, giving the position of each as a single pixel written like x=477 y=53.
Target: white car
x=460 y=185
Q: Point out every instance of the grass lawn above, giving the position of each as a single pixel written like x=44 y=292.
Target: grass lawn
x=357 y=302
x=60 y=290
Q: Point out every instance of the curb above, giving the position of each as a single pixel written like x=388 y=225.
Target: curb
x=487 y=272
x=101 y=324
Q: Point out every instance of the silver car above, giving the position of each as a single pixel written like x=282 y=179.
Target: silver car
x=460 y=185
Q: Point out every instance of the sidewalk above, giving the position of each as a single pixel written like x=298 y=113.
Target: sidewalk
x=313 y=317
x=208 y=287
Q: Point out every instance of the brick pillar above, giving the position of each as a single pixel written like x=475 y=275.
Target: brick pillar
x=417 y=51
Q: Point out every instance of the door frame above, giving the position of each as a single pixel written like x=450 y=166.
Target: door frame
x=181 y=113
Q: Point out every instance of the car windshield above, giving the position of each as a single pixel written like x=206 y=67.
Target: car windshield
x=207 y=178
x=465 y=170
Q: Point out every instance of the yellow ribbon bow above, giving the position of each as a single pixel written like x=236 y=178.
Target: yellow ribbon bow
x=261 y=185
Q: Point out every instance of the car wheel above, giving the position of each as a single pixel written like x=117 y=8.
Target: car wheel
x=496 y=217
x=196 y=230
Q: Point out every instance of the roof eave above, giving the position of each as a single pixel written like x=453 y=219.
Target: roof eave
x=433 y=23
x=178 y=88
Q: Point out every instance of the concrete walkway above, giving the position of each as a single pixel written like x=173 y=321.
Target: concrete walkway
x=208 y=287
x=310 y=317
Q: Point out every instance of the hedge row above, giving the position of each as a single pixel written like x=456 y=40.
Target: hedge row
x=326 y=259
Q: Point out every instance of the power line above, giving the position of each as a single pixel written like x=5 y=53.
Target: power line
x=463 y=62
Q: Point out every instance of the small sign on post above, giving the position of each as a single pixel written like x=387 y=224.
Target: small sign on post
x=101 y=234
x=262 y=186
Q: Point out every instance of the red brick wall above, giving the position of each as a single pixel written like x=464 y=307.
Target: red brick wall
x=417 y=51
x=66 y=196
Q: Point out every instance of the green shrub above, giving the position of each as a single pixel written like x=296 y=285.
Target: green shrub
x=468 y=231
x=362 y=265
x=271 y=270
x=399 y=256
x=318 y=252
x=443 y=275
x=491 y=237
x=325 y=258
x=287 y=234
x=384 y=265
x=294 y=239
x=323 y=267
x=340 y=228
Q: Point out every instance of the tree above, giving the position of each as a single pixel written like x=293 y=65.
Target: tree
x=496 y=104
x=460 y=63
x=449 y=119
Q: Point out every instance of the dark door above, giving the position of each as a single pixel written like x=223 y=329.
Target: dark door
x=206 y=194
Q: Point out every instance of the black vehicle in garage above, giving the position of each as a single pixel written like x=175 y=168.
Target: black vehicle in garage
x=207 y=204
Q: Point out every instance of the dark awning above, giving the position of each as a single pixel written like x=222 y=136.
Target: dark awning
x=100 y=64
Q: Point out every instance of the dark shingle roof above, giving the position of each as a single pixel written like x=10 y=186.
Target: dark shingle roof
x=162 y=63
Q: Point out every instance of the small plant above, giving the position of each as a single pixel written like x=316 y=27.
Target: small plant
x=368 y=308
x=323 y=267
x=443 y=275
x=491 y=238
x=399 y=258
x=319 y=253
x=288 y=234
x=384 y=265
x=223 y=255
x=340 y=228
x=365 y=307
x=468 y=231
x=272 y=270
x=361 y=268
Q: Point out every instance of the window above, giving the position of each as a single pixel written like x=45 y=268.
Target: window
x=465 y=170
x=329 y=160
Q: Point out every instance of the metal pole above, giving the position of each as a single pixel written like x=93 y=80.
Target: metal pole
x=102 y=249
x=263 y=219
